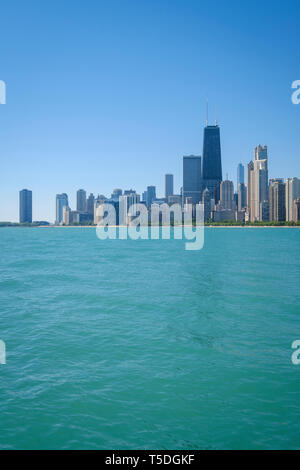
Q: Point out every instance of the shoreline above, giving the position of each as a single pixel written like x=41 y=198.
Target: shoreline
x=161 y=226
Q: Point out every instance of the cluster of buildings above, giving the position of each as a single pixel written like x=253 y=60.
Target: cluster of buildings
x=261 y=199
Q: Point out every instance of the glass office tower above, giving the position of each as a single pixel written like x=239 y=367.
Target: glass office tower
x=192 y=179
x=25 y=206
x=212 y=164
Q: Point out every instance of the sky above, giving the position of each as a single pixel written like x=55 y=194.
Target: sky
x=111 y=94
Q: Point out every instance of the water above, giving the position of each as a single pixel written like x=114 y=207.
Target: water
x=140 y=344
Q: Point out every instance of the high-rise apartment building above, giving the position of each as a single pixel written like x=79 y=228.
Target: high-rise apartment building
x=192 y=179
x=240 y=175
x=277 y=200
x=25 y=206
x=242 y=196
x=258 y=191
x=169 y=186
x=90 y=206
x=292 y=192
x=61 y=202
x=227 y=195
x=81 y=200
x=212 y=163
x=296 y=210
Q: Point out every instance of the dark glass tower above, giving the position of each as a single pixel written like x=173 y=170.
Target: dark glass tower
x=25 y=206
x=212 y=165
x=192 y=183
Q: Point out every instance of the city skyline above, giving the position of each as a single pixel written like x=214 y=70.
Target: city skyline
x=261 y=199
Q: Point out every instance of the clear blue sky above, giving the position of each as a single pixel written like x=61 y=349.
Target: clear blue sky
x=105 y=94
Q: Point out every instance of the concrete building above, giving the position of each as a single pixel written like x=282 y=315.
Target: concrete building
x=66 y=215
x=240 y=175
x=206 y=201
x=25 y=206
x=296 y=210
x=258 y=192
x=277 y=200
x=227 y=196
x=292 y=192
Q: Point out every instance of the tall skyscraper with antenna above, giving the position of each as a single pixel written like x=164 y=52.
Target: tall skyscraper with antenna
x=211 y=163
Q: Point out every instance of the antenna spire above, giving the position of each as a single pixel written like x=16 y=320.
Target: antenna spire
x=207 y=112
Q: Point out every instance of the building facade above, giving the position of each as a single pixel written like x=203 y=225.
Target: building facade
x=258 y=190
x=240 y=175
x=277 y=200
x=296 y=210
x=61 y=202
x=292 y=192
x=25 y=206
x=212 y=162
x=90 y=206
x=192 y=179
x=169 y=186
x=150 y=195
x=81 y=200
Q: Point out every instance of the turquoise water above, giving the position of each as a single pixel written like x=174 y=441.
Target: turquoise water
x=140 y=344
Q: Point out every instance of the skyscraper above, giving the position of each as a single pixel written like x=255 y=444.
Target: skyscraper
x=227 y=195
x=240 y=175
x=151 y=195
x=242 y=196
x=192 y=179
x=212 y=163
x=206 y=201
x=90 y=206
x=258 y=193
x=169 y=186
x=61 y=202
x=277 y=200
x=81 y=200
x=125 y=202
x=296 y=210
x=25 y=206
x=292 y=192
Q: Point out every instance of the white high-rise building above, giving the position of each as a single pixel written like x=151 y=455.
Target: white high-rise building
x=258 y=188
x=292 y=192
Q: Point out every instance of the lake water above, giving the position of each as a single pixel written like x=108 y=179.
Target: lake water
x=123 y=344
